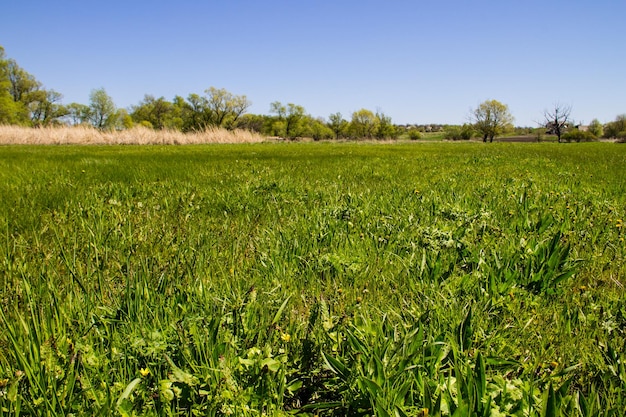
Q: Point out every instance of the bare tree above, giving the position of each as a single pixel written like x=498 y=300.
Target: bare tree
x=557 y=120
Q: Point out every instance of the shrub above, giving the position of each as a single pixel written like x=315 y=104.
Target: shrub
x=465 y=132
x=414 y=134
x=578 y=136
x=452 y=133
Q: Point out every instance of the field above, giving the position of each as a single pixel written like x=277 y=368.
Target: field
x=419 y=279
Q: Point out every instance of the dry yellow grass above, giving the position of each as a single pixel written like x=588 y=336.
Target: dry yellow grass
x=84 y=135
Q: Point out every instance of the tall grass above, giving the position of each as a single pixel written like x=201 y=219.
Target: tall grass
x=85 y=135
x=319 y=279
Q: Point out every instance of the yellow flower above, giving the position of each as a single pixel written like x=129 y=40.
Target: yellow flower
x=619 y=224
x=285 y=337
x=144 y=372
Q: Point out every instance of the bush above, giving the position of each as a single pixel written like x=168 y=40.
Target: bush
x=452 y=133
x=578 y=136
x=465 y=132
x=414 y=134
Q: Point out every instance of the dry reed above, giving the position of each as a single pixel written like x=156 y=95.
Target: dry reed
x=85 y=135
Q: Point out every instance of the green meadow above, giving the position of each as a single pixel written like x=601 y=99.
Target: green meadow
x=328 y=279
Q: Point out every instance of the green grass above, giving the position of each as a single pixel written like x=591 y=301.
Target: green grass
x=325 y=279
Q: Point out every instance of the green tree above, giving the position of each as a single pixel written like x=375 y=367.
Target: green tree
x=491 y=119
x=595 y=128
x=124 y=120
x=22 y=83
x=338 y=125
x=616 y=128
x=288 y=122
x=9 y=109
x=102 y=110
x=46 y=108
x=384 y=128
x=363 y=124
x=194 y=113
x=77 y=113
x=224 y=107
x=156 y=112
x=23 y=100
x=251 y=122
x=317 y=129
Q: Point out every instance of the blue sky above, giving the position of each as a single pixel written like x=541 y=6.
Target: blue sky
x=417 y=61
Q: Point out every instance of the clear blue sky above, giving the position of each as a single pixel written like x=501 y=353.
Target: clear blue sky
x=418 y=61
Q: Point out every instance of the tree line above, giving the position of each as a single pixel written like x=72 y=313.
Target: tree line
x=25 y=101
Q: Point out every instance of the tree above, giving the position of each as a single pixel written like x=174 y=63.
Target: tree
x=23 y=100
x=337 y=124
x=384 y=128
x=288 y=121
x=194 y=113
x=617 y=128
x=46 y=108
x=11 y=112
x=156 y=112
x=318 y=129
x=77 y=114
x=225 y=108
x=102 y=111
x=557 y=120
x=491 y=118
x=251 y=122
x=22 y=83
x=364 y=124
x=596 y=129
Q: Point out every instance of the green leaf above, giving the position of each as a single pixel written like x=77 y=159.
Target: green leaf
x=178 y=375
x=337 y=367
x=549 y=403
x=465 y=331
x=370 y=386
x=127 y=391
x=461 y=411
x=481 y=380
x=272 y=364
x=280 y=310
x=294 y=385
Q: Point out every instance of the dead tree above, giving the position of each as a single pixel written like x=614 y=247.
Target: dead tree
x=557 y=120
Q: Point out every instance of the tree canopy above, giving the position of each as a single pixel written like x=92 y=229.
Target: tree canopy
x=23 y=100
x=491 y=119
